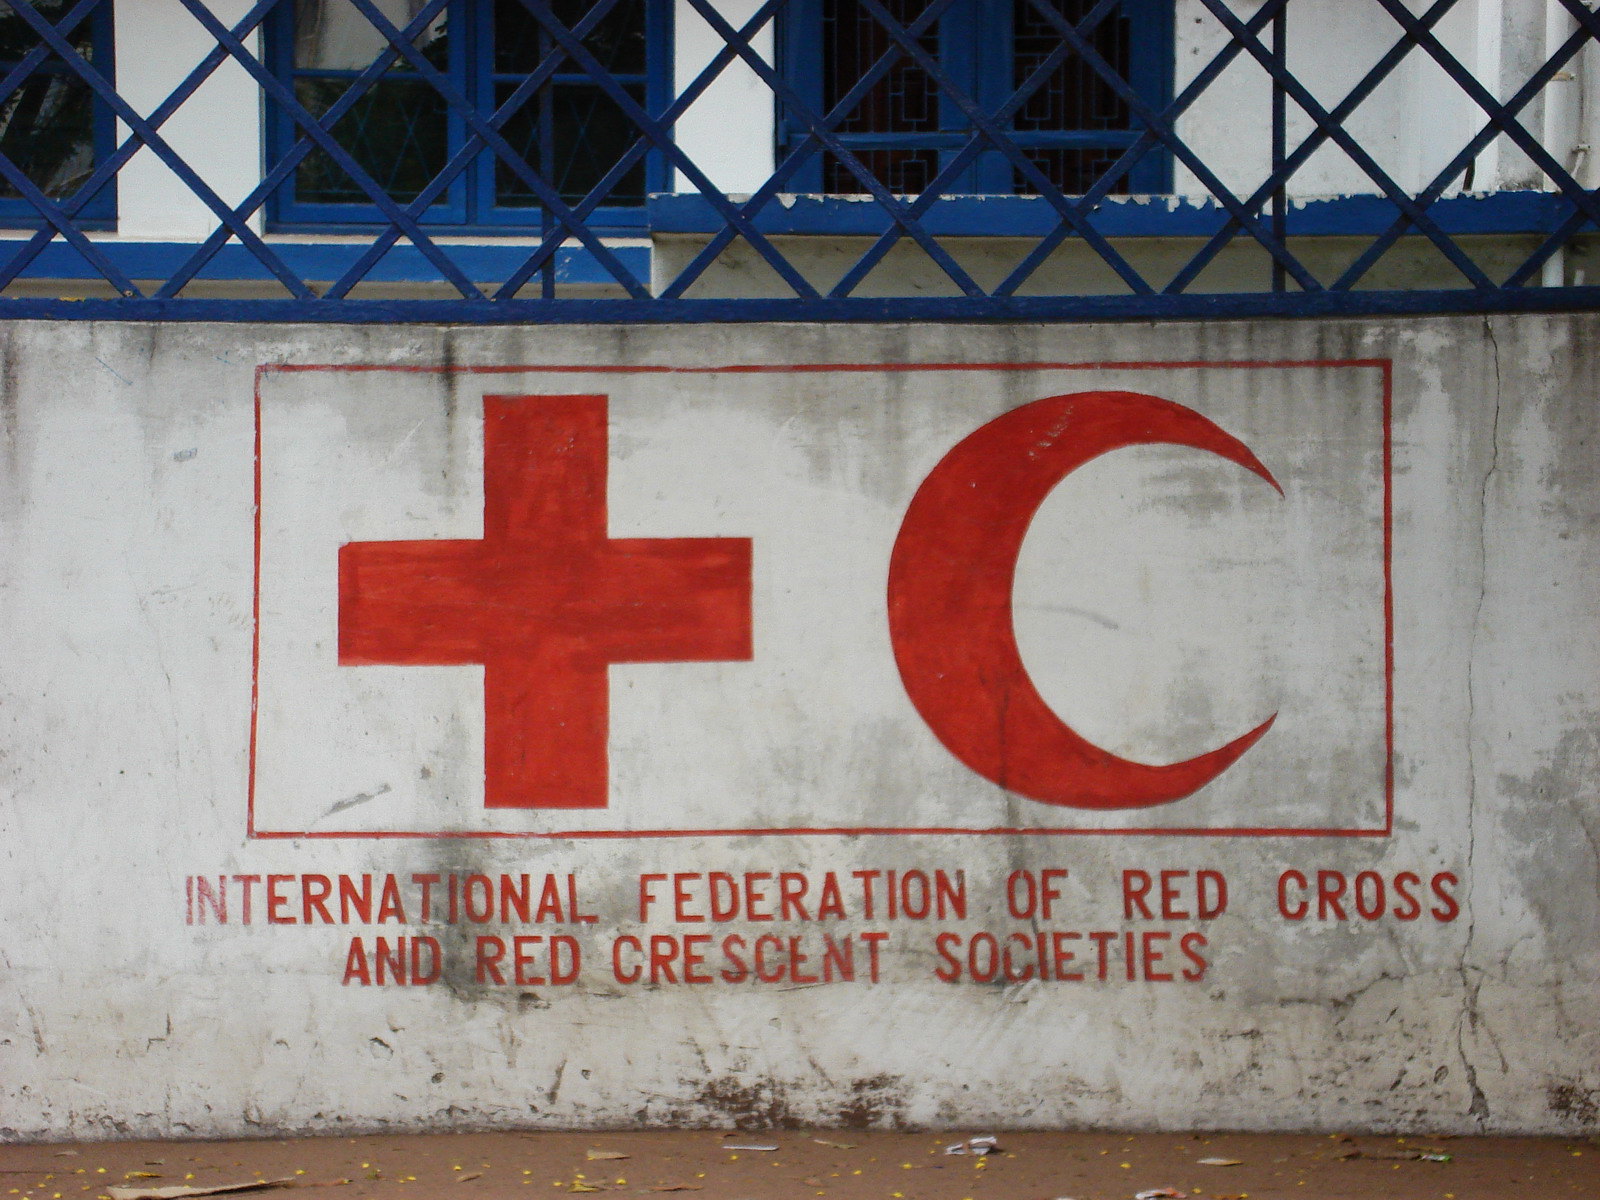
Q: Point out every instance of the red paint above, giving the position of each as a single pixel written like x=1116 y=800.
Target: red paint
x=413 y=961
x=1205 y=899
x=1060 y=956
x=950 y=583
x=694 y=897
x=701 y=958
x=1366 y=896
x=532 y=963
x=1388 y=597
x=1030 y=895
x=1383 y=366
x=545 y=601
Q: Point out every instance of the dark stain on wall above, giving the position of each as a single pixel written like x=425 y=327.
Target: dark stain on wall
x=747 y=1103
x=1580 y=1105
x=877 y=1101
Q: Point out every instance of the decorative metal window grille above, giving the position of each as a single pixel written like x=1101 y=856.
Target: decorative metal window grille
x=404 y=134
x=532 y=121
x=1069 y=122
x=52 y=132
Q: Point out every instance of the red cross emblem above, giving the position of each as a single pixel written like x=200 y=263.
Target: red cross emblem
x=546 y=601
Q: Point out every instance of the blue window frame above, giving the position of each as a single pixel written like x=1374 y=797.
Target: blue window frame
x=52 y=127
x=906 y=129
x=403 y=131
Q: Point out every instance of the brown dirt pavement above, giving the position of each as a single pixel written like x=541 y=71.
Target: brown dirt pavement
x=841 y=1165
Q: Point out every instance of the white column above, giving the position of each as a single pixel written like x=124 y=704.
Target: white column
x=728 y=131
x=1491 y=23
x=217 y=131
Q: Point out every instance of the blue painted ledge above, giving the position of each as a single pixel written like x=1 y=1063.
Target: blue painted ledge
x=1117 y=216
x=320 y=261
x=957 y=216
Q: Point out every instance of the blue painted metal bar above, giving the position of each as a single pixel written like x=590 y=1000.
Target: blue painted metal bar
x=278 y=91
x=105 y=172
x=296 y=154
x=59 y=221
x=1524 y=274
x=661 y=137
x=489 y=135
x=1113 y=175
x=1502 y=119
x=680 y=104
x=1116 y=216
x=85 y=197
x=818 y=136
x=35 y=58
x=953 y=169
x=1340 y=136
x=981 y=124
x=1191 y=306
x=1280 y=137
x=979 y=121
x=146 y=134
x=1168 y=135
x=1282 y=172
x=570 y=220
x=316 y=261
x=56 y=216
x=1503 y=213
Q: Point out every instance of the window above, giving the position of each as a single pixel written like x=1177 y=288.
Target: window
x=403 y=132
x=905 y=129
x=51 y=126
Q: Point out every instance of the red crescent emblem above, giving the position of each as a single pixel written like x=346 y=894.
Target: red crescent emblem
x=950 y=585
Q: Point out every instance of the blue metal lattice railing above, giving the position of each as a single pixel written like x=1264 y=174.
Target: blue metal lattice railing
x=533 y=273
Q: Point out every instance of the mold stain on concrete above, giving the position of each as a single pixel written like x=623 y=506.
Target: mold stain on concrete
x=1571 y=1102
x=875 y=1102
x=747 y=1103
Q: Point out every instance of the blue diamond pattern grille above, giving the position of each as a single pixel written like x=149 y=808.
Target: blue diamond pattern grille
x=556 y=123
x=47 y=122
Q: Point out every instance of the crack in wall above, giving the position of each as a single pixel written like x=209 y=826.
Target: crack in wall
x=1471 y=1017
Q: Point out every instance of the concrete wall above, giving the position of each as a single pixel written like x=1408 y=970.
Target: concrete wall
x=1215 y=748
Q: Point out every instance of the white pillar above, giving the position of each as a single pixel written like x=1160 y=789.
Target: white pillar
x=728 y=131
x=217 y=131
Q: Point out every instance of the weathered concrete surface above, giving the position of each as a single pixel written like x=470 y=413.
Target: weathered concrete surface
x=1166 y=601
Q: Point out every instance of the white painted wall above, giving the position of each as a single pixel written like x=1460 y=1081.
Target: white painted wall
x=728 y=131
x=217 y=131
x=1413 y=123
x=1164 y=599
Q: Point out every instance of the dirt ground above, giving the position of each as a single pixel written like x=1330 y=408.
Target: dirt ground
x=848 y=1165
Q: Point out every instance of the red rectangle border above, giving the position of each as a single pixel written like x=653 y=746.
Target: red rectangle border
x=1383 y=365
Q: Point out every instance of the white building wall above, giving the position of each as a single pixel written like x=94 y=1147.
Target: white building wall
x=1414 y=122
x=217 y=131
x=728 y=131
x=1437 y=496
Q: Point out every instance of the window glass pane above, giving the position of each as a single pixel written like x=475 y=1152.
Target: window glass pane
x=903 y=172
x=47 y=124
x=618 y=41
x=588 y=134
x=401 y=132
x=333 y=35
x=397 y=132
x=16 y=38
x=1073 y=171
x=1074 y=96
x=904 y=100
